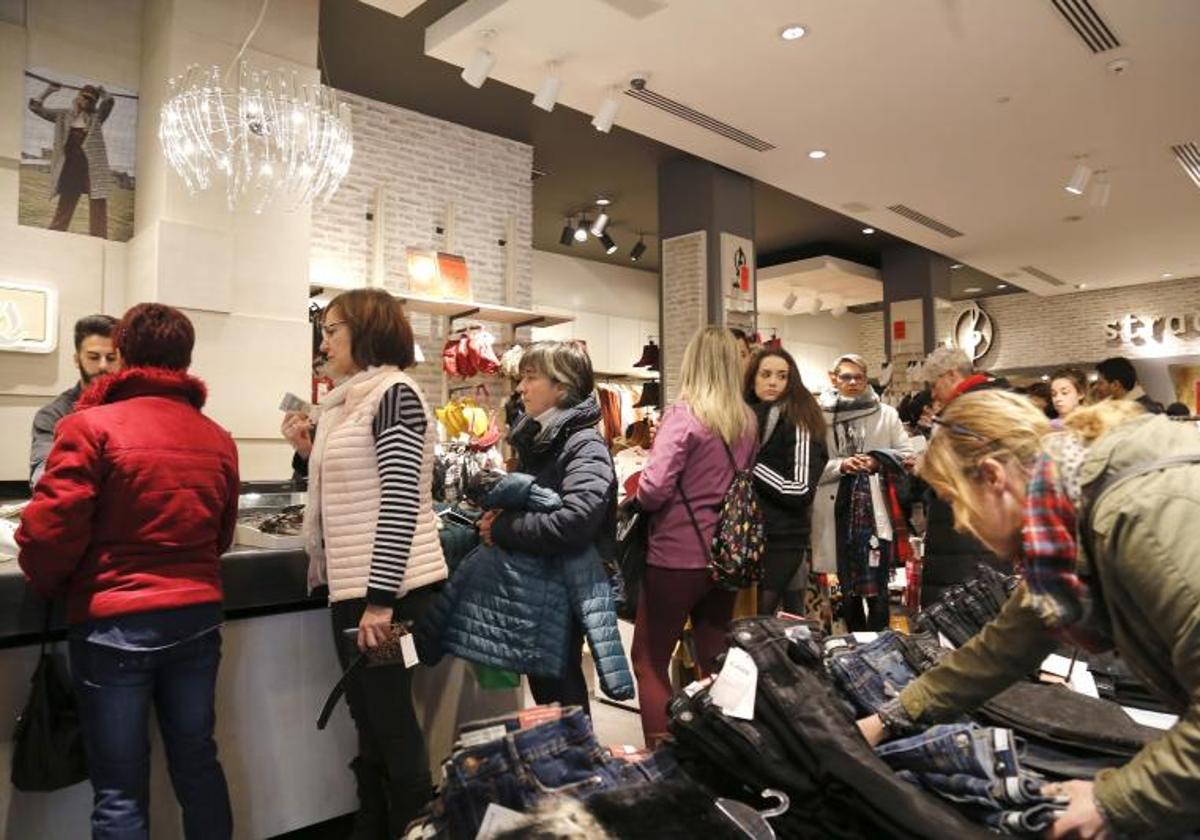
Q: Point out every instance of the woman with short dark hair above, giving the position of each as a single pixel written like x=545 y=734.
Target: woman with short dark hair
x=129 y=521
x=556 y=441
x=372 y=538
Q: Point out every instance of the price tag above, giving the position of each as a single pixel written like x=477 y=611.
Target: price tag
x=736 y=686
x=409 y=650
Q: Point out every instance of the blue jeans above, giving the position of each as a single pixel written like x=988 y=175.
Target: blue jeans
x=115 y=689
x=871 y=674
x=519 y=768
x=988 y=754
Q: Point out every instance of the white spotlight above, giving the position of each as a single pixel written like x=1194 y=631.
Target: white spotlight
x=600 y=224
x=1079 y=180
x=478 y=68
x=790 y=300
x=1100 y=191
x=603 y=121
x=547 y=94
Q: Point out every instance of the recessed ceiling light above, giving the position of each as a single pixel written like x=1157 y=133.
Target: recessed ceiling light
x=817 y=154
x=956 y=266
x=1081 y=285
x=1001 y=285
x=603 y=202
x=793 y=32
x=1045 y=377
x=972 y=290
x=1167 y=275
x=868 y=230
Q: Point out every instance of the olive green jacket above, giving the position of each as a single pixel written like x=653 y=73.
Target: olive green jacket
x=1145 y=577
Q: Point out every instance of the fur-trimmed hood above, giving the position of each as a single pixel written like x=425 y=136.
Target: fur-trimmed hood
x=143 y=382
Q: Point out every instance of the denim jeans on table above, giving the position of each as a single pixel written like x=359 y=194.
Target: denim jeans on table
x=871 y=674
x=115 y=689
x=519 y=767
x=989 y=754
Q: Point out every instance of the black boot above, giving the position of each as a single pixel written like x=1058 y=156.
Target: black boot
x=371 y=821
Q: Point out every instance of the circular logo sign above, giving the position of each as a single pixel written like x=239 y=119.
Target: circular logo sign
x=973 y=332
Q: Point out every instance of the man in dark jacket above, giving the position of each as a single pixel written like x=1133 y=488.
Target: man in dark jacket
x=1118 y=381
x=94 y=356
x=950 y=555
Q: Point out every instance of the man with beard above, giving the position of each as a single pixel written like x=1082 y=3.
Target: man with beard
x=94 y=356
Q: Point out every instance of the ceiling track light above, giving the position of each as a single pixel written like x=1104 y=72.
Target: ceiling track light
x=479 y=68
x=1079 y=179
x=639 y=248
x=603 y=121
x=568 y=233
x=547 y=95
x=789 y=302
x=600 y=224
x=581 y=231
x=610 y=245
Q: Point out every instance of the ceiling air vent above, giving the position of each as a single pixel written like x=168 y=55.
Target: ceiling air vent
x=921 y=219
x=1188 y=156
x=1088 y=24
x=1043 y=276
x=678 y=109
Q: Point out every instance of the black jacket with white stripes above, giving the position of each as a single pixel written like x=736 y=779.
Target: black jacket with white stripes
x=786 y=473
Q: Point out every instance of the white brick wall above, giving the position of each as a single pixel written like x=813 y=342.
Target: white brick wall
x=684 y=302
x=424 y=164
x=1034 y=331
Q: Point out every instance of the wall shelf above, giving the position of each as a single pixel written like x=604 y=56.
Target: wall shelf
x=512 y=316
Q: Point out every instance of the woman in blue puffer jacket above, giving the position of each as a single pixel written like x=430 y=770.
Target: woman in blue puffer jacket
x=557 y=442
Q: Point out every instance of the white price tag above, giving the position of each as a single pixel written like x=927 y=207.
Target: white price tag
x=478 y=737
x=409 y=650
x=497 y=820
x=737 y=685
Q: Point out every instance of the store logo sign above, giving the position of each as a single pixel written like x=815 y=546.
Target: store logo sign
x=1138 y=330
x=974 y=332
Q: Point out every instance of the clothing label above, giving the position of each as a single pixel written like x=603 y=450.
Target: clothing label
x=1158 y=720
x=497 y=819
x=479 y=737
x=409 y=650
x=694 y=688
x=944 y=642
x=529 y=718
x=863 y=636
x=736 y=686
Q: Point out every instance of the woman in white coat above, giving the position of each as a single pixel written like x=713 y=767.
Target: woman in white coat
x=857 y=422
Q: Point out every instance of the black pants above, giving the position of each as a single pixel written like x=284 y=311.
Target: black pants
x=393 y=762
x=780 y=567
x=571 y=688
x=873 y=617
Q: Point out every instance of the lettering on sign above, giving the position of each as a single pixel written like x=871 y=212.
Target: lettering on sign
x=974 y=332
x=1138 y=330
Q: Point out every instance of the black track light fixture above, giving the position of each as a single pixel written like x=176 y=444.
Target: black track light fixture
x=637 y=250
x=568 y=233
x=610 y=246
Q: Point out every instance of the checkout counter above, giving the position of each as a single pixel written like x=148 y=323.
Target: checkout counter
x=278 y=666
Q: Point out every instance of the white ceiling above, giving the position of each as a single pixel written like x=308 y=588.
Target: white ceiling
x=827 y=281
x=972 y=112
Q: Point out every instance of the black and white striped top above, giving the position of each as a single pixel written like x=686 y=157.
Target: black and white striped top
x=399 y=431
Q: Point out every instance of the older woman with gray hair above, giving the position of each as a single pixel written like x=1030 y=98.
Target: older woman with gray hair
x=557 y=442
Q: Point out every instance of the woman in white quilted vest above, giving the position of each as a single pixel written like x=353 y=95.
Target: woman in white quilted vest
x=372 y=537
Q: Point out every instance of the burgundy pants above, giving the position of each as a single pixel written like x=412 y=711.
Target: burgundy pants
x=668 y=598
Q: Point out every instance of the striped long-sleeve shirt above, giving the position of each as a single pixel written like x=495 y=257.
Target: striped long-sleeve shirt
x=399 y=431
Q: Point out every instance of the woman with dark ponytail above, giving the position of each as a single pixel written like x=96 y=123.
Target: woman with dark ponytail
x=791 y=457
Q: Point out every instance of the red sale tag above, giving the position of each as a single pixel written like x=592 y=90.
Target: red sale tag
x=899 y=330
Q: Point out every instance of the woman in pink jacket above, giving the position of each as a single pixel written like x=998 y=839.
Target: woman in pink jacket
x=691 y=455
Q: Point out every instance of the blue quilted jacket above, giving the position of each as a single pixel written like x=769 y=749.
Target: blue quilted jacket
x=512 y=605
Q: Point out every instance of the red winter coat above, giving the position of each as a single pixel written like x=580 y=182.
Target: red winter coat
x=138 y=501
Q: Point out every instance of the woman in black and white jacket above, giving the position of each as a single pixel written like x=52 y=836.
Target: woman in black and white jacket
x=790 y=460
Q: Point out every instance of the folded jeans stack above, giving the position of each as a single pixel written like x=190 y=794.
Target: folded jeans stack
x=978 y=770
x=515 y=763
x=872 y=673
x=964 y=609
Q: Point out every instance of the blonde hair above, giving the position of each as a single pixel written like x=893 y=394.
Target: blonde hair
x=1093 y=421
x=711 y=381
x=975 y=426
x=850 y=359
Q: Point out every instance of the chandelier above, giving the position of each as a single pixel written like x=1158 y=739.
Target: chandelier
x=269 y=138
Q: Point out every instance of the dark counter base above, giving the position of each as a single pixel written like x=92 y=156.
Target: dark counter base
x=257 y=582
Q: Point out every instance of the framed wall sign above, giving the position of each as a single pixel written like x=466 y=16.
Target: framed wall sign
x=28 y=318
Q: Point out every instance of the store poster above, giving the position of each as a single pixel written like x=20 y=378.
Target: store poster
x=78 y=155
x=1186 y=379
x=737 y=273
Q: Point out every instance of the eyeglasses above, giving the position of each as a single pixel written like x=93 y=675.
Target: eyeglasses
x=328 y=330
x=851 y=377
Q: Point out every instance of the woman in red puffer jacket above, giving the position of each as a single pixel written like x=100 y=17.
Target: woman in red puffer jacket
x=129 y=521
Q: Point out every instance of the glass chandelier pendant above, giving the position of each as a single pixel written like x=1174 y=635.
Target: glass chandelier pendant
x=269 y=138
